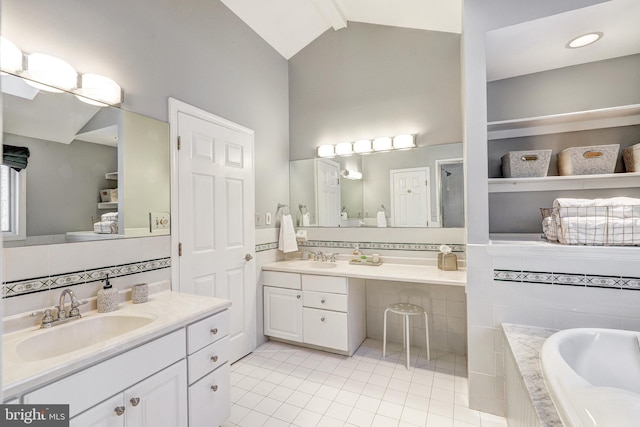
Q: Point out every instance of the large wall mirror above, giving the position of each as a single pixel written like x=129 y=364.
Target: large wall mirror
x=79 y=155
x=420 y=187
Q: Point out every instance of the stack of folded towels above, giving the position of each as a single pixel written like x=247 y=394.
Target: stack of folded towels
x=108 y=224
x=613 y=221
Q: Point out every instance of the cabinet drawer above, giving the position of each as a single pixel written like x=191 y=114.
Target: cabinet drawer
x=207 y=331
x=281 y=280
x=210 y=399
x=324 y=300
x=207 y=359
x=336 y=285
x=325 y=328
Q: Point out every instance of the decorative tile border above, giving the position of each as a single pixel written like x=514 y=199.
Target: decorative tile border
x=428 y=247
x=567 y=279
x=39 y=284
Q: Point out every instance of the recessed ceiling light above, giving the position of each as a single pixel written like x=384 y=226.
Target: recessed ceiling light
x=584 y=40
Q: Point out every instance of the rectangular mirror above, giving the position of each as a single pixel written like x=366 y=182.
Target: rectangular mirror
x=420 y=187
x=85 y=161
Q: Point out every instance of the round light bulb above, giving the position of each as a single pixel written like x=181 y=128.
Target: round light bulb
x=98 y=90
x=10 y=56
x=49 y=73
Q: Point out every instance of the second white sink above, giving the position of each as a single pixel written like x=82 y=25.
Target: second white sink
x=77 y=334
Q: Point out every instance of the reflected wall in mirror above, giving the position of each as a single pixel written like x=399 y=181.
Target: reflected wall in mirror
x=76 y=151
x=360 y=191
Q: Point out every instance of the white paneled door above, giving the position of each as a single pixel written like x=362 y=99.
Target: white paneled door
x=410 y=197
x=328 y=192
x=215 y=204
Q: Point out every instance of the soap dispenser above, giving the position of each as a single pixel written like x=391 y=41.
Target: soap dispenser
x=107 y=298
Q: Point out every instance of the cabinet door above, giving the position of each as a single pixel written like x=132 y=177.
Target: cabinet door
x=283 y=313
x=160 y=400
x=326 y=328
x=110 y=413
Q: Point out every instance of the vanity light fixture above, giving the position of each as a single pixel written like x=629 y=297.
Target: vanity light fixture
x=382 y=143
x=584 y=40
x=326 y=151
x=10 y=56
x=50 y=73
x=404 y=141
x=350 y=174
x=344 y=149
x=362 y=146
x=98 y=90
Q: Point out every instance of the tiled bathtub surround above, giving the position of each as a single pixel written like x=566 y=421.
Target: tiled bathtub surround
x=568 y=279
x=39 y=284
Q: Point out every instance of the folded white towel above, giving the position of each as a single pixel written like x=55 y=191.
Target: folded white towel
x=287 y=241
x=105 y=227
x=381 y=219
x=306 y=218
x=109 y=216
x=614 y=207
x=599 y=230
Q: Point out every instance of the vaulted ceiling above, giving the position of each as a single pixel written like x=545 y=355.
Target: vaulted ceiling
x=290 y=25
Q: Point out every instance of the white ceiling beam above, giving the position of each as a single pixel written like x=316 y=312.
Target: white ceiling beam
x=332 y=12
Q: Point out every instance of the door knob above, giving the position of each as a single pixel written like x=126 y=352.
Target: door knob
x=248 y=257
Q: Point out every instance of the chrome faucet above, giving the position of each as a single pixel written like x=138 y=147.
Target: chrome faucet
x=49 y=319
x=319 y=256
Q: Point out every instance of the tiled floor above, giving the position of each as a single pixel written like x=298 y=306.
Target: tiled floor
x=284 y=385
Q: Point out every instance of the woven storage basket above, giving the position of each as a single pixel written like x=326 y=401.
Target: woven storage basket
x=593 y=160
x=631 y=156
x=522 y=164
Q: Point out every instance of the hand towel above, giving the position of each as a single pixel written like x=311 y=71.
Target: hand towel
x=306 y=219
x=287 y=241
x=105 y=227
x=109 y=216
x=381 y=219
x=614 y=207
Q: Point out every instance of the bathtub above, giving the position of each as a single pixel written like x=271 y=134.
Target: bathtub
x=593 y=376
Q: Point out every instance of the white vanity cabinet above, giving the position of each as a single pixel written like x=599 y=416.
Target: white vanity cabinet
x=320 y=311
x=144 y=404
x=177 y=380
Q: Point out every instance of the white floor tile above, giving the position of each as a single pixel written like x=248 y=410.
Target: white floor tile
x=284 y=385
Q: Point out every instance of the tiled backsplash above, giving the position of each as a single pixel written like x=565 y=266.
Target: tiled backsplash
x=386 y=246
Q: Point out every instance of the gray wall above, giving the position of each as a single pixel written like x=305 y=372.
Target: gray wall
x=62 y=186
x=368 y=80
x=196 y=51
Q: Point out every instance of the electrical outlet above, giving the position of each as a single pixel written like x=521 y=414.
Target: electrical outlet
x=258 y=219
x=267 y=218
x=159 y=221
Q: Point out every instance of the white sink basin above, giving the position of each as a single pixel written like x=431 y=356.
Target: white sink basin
x=77 y=334
x=316 y=264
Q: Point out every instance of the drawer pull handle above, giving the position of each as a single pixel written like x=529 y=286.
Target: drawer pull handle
x=214 y=331
x=214 y=359
x=119 y=410
x=322 y=301
x=322 y=319
x=592 y=154
x=214 y=388
x=298 y=296
x=134 y=401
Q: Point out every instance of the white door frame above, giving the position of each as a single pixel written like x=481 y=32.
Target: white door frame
x=439 y=164
x=175 y=107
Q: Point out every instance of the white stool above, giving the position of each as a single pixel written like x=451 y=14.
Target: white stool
x=405 y=310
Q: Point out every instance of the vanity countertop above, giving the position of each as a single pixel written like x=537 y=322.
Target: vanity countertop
x=170 y=311
x=418 y=271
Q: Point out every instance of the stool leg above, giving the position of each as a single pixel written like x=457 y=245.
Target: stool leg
x=404 y=328
x=408 y=343
x=384 y=334
x=426 y=326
